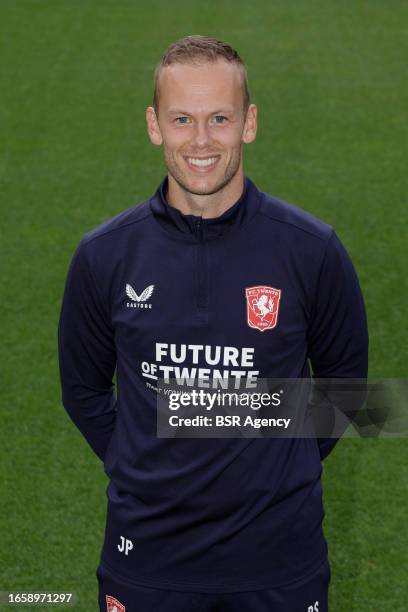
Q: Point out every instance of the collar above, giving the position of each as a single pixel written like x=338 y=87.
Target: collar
x=186 y=226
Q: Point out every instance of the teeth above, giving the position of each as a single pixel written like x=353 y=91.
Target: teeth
x=201 y=162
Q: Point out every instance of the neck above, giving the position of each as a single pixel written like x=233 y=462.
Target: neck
x=206 y=206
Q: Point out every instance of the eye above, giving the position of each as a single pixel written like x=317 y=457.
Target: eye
x=182 y=120
x=220 y=119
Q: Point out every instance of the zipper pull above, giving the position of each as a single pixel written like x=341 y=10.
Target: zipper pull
x=199 y=228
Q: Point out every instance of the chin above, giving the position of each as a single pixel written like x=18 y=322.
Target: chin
x=204 y=187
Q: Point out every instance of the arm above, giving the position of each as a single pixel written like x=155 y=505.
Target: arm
x=87 y=356
x=338 y=336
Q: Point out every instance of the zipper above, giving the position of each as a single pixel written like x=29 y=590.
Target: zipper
x=201 y=272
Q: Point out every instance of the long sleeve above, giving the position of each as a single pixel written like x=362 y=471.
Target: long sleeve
x=87 y=356
x=338 y=336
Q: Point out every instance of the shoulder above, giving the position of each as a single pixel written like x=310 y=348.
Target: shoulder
x=121 y=223
x=293 y=220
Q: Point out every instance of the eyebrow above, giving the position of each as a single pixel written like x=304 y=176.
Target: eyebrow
x=216 y=112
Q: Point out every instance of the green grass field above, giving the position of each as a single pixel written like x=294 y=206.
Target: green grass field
x=330 y=81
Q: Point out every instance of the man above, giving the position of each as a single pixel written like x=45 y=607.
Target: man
x=208 y=275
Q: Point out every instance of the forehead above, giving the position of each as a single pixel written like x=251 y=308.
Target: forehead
x=205 y=84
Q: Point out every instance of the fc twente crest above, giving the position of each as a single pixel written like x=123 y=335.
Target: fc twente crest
x=262 y=307
x=113 y=605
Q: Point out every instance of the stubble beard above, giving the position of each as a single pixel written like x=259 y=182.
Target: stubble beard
x=180 y=177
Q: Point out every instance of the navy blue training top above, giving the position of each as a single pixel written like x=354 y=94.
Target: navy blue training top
x=206 y=514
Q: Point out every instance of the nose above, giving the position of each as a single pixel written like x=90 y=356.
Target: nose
x=202 y=134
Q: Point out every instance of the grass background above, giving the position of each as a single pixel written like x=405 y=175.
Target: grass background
x=330 y=81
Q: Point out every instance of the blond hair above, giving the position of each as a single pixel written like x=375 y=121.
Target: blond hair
x=194 y=50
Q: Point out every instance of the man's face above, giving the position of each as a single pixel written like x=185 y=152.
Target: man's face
x=201 y=124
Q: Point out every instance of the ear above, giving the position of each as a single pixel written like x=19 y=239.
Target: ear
x=249 y=133
x=153 y=128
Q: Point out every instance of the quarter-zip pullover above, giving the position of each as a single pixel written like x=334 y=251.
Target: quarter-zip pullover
x=146 y=292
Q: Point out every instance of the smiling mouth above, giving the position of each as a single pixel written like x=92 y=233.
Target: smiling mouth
x=202 y=164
